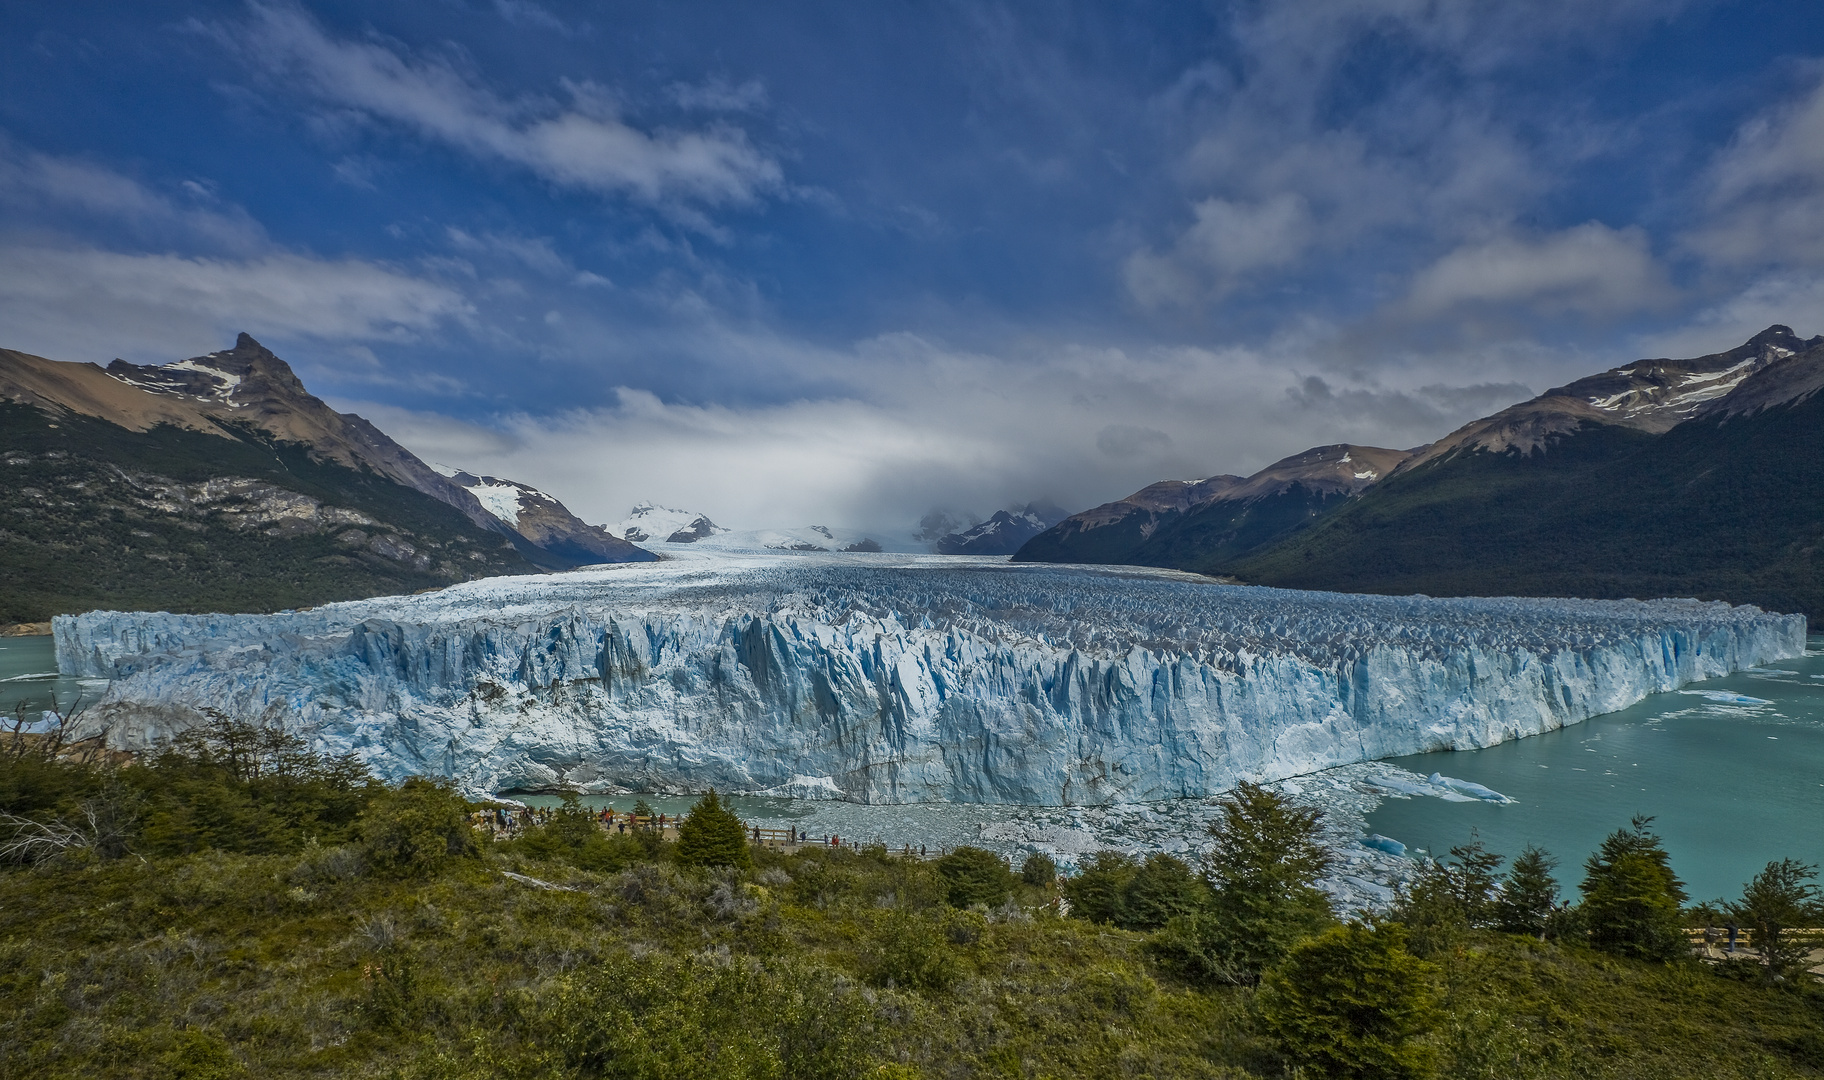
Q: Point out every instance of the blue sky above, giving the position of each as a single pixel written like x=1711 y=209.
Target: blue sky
x=846 y=263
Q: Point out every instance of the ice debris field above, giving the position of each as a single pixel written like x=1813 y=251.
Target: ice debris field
x=901 y=679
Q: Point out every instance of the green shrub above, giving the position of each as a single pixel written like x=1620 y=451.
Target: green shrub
x=197 y=1055
x=711 y=835
x=976 y=876
x=417 y=828
x=1163 y=888
x=912 y=952
x=1098 y=890
x=1781 y=899
x=656 y=1018
x=1262 y=868
x=1448 y=898
x=572 y=835
x=1352 y=1003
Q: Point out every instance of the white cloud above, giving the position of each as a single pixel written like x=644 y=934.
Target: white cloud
x=582 y=144
x=1590 y=269
x=1794 y=299
x=42 y=186
x=527 y=13
x=1767 y=191
x=66 y=302
x=720 y=95
x=1231 y=240
x=1287 y=170
x=923 y=425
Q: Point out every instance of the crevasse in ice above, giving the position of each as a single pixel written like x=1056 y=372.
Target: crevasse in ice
x=901 y=679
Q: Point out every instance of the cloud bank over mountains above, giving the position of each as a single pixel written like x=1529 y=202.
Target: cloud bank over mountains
x=782 y=267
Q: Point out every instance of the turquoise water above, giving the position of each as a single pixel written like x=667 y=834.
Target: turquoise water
x=1731 y=785
x=28 y=674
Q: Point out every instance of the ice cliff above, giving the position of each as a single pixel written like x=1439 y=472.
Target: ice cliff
x=881 y=678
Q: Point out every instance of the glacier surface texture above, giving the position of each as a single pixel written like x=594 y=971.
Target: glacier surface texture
x=883 y=678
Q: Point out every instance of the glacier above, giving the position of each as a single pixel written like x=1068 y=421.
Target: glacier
x=899 y=679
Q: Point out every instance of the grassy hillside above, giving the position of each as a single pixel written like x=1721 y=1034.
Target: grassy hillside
x=94 y=515
x=227 y=918
x=1731 y=511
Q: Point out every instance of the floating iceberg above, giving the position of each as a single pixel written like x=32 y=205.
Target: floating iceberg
x=1727 y=697
x=1464 y=787
x=884 y=678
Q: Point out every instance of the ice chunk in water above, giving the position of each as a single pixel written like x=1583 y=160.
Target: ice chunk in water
x=1727 y=697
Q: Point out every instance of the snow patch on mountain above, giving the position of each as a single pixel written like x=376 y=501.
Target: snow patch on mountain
x=901 y=678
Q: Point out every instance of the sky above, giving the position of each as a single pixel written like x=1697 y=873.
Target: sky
x=847 y=264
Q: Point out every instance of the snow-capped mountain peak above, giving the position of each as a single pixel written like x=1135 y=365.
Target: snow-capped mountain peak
x=651 y=523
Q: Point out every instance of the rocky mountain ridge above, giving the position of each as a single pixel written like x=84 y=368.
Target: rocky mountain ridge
x=1659 y=477
x=1143 y=527
x=220 y=483
x=1653 y=396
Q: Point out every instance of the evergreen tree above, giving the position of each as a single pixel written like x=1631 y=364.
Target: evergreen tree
x=1352 y=1003
x=1449 y=897
x=1470 y=872
x=1162 y=889
x=1039 y=870
x=976 y=876
x=1529 y=895
x=1778 y=901
x=1098 y=891
x=711 y=835
x=1631 y=898
x=1262 y=872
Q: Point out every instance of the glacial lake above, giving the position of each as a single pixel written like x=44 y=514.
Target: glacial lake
x=1730 y=785
x=28 y=674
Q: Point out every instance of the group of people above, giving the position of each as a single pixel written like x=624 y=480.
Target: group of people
x=1712 y=935
x=504 y=821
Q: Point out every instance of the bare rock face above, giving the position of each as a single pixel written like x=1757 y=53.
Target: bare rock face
x=902 y=679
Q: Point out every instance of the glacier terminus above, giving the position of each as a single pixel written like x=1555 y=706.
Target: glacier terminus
x=897 y=679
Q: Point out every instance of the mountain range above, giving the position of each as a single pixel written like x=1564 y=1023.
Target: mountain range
x=219 y=483
x=1662 y=477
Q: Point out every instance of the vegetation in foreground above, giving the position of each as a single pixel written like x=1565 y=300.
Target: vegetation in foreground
x=238 y=906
